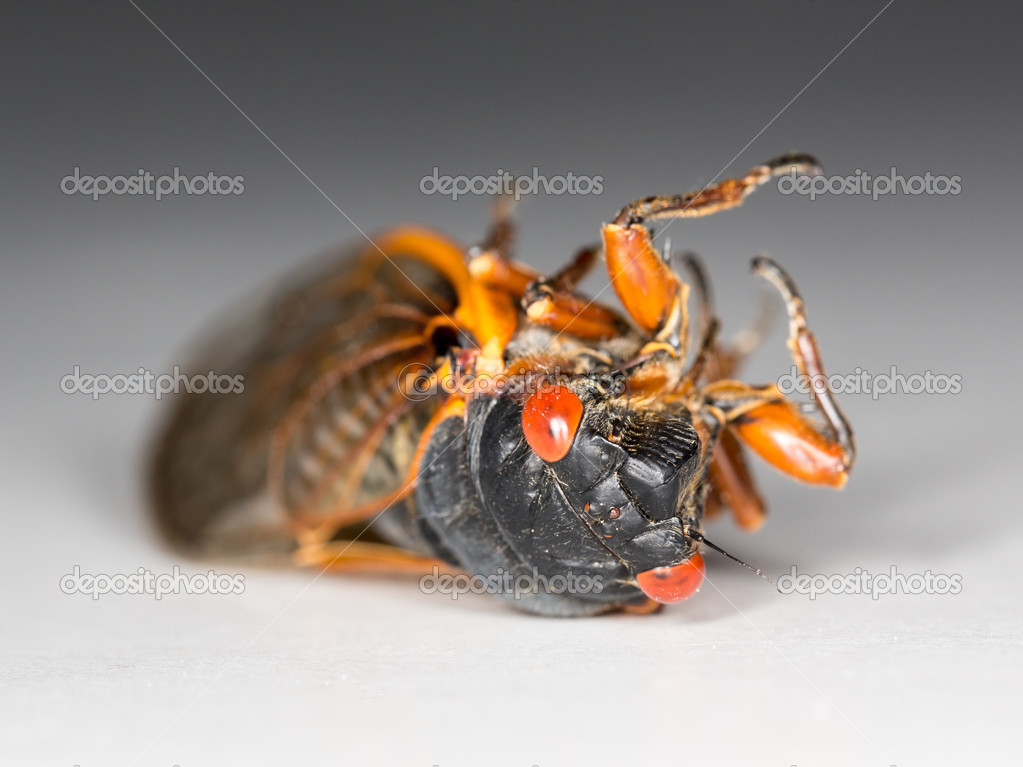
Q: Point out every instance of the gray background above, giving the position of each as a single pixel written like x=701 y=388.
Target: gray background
x=653 y=97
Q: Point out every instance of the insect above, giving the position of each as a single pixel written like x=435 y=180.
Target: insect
x=417 y=404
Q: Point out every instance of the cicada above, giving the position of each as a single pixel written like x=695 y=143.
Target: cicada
x=416 y=404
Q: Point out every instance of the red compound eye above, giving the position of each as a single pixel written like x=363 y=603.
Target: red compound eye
x=550 y=420
x=674 y=583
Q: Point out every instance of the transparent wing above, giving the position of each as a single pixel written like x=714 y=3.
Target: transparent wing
x=306 y=418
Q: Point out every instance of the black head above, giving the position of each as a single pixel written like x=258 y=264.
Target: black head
x=630 y=473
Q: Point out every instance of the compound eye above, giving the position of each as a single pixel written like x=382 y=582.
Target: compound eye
x=674 y=583
x=550 y=420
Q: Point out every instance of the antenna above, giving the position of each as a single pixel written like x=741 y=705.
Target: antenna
x=698 y=536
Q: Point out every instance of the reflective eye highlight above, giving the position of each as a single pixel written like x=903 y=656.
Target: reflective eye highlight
x=674 y=583
x=550 y=419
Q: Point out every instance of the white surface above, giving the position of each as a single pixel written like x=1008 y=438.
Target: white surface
x=300 y=670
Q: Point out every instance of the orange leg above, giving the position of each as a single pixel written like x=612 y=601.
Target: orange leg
x=776 y=429
x=645 y=284
x=365 y=557
x=491 y=261
x=649 y=607
x=731 y=484
x=564 y=312
x=573 y=273
x=500 y=240
x=498 y=272
x=643 y=281
x=778 y=432
x=721 y=196
x=806 y=354
x=549 y=301
x=724 y=360
x=787 y=440
x=443 y=254
x=731 y=479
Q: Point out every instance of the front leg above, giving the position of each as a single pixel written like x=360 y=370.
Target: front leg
x=643 y=281
x=773 y=427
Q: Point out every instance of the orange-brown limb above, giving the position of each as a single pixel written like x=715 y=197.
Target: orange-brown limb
x=733 y=483
x=570 y=275
x=502 y=273
x=724 y=359
x=648 y=607
x=514 y=277
x=500 y=239
x=674 y=332
x=712 y=199
x=776 y=429
x=564 y=312
x=644 y=283
x=701 y=284
x=783 y=437
x=365 y=557
x=803 y=346
x=491 y=262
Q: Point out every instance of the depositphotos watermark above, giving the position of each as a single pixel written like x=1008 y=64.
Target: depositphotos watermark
x=145 y=582
x=510 y=185
x=860 y=183
x=418 y=382
x=149 y=383
x=506 y=582
x=145 y=184
x=861 y=581
x=861 y=381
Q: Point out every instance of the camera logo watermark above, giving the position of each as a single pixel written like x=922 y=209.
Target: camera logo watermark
x=418 y=382
x=147 y=382
x=861 y=581
x=505 y=582
x=862 y=381
x=510 y=185
x=860 y=183
x=147 y=583
x=145 y=184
